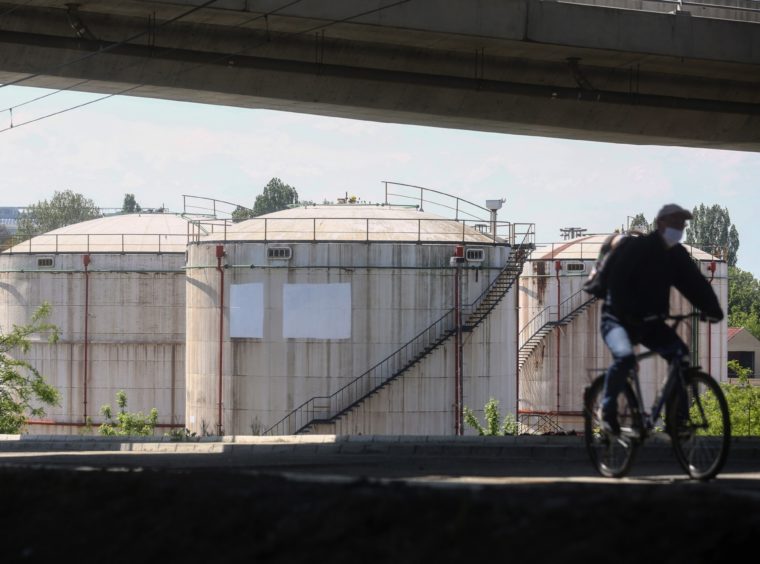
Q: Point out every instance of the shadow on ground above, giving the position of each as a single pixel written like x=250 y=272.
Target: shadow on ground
x=204 y=515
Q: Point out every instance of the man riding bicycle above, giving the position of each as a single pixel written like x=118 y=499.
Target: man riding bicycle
x=639 y=276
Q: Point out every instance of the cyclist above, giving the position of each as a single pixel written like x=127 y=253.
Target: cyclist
x=640 y=274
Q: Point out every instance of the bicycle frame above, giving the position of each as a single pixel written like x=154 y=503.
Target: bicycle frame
x=673 y=378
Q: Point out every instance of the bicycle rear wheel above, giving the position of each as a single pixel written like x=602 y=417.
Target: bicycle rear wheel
x=699 y=426
x=611 y=456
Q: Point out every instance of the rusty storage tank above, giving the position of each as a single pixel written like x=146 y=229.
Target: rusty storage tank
x=117 y=289
x=343 y=319
x=561 y=349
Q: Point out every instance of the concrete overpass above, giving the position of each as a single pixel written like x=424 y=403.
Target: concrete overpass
x=630 y=71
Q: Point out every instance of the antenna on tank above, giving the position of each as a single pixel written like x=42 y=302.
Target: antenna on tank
x=494 y=206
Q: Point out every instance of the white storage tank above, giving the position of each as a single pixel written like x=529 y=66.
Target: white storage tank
x=117 y=289
x=561 y=348
x=306 y=319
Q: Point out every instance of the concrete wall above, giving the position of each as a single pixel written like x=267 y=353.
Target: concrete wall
x=530 y=67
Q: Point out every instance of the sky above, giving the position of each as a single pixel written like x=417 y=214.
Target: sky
x=159 y=150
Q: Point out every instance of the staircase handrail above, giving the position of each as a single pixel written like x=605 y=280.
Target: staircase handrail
x=567 y=310
x=568 y=307
x=534 y=326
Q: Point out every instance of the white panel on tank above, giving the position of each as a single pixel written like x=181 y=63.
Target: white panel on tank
x=247 y=311
x=316 y=311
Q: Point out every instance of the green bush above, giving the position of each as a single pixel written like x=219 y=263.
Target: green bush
x=127 y=424
x=181 y=435
x=743 y=405
x=493 y=424
x=743 y=402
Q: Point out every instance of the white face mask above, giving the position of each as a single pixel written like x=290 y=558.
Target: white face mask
x=672 y=236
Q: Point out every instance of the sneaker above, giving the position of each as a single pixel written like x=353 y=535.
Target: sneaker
x=609 y=423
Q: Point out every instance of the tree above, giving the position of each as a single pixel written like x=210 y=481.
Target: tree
x=743 y=290
x=21 y=385
x=743 y=300
x=711 y=230
x=639 y=223
x=64 y=208
x=241 y=214
x=130 y=205
x=276 y=196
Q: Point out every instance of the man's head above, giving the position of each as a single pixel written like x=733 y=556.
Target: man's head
x=671 y=221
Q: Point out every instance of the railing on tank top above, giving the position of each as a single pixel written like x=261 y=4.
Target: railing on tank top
x=97 y=243
x=214 y=219
x=358 y=229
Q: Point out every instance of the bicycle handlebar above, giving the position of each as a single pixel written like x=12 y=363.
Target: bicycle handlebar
x=681 y=317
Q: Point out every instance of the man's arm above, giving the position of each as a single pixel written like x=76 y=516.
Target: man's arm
x=695 y=287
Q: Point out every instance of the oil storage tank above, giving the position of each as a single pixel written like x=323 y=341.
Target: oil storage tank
x=349 y=319
x=117 y=290
x=560 y=346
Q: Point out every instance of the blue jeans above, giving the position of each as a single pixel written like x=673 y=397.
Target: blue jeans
x=657 y=336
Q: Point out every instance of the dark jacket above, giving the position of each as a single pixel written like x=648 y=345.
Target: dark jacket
x=641 y=273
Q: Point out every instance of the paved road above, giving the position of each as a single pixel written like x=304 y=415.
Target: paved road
x=456 y=460
x=368 y=499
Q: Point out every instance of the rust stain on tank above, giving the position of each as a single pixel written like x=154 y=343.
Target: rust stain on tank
x=539 y=269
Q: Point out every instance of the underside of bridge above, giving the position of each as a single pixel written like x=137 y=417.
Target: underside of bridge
x=528 y=67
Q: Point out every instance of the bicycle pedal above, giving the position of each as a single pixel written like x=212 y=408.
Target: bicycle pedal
x=631 y=433
x=625 y=442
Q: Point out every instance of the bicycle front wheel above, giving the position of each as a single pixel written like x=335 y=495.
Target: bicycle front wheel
x=699 y=425
x=611 y=456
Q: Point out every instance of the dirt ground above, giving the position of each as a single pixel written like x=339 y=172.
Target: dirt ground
x=210 y=516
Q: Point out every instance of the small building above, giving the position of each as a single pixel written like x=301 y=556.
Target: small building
x=743 y=347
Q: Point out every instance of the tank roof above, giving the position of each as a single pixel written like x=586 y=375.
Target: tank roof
x=128 y=233
x=357 y=222
x=587 y=248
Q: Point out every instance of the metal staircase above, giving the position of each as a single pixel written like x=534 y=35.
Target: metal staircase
x=534 y=332
x=496 y=291
x=328 y=409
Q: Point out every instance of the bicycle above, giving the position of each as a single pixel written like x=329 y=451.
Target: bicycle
x=700 y=443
